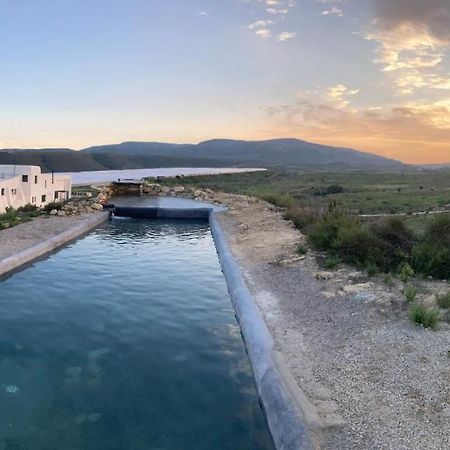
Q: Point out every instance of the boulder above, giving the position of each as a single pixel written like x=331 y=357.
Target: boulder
x=179 y=189
x=61 y=213
x=325 y=275
x=53 y=212
x=97 y=206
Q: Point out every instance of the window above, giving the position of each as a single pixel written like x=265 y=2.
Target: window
x=33 y=200
x=45 y=184
x=13 y=191
x=43 y=198
x=3 y=191
x=24 y=178
x=56 y=195
x=35 y=179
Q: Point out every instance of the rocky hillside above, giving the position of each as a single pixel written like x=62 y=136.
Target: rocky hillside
x=287 y=153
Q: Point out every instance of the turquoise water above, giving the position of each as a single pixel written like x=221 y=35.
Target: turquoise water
x=126 y=340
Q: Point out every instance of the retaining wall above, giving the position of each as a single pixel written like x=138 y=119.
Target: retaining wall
x=26 y=256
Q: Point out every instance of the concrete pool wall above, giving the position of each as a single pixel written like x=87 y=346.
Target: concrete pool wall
x=284 y=416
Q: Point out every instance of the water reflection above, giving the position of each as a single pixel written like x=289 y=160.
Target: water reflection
x=126 y=340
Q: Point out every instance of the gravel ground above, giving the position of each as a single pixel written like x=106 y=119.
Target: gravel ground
x=25 y=235
x=376 y=380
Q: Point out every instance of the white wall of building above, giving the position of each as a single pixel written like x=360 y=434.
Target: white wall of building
x=20 y=185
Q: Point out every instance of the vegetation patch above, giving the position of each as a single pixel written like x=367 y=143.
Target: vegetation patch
x=424 y=316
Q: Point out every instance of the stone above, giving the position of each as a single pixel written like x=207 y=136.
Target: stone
x=61 y=213
x=199 y=193
x=325 y=275
x=357 y=288
x=365 y=297
x=97 y=206
x=179 y=189
x=53 y=212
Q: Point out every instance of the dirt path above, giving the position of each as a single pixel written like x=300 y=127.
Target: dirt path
x=375 y=380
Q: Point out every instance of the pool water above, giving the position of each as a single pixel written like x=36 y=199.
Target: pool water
x=126 y=339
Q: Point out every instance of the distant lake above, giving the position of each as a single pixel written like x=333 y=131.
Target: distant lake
x=106 y=176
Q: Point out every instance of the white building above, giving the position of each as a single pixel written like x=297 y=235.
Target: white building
x=22 y=185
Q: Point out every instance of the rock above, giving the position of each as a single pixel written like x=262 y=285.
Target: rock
x=325 y=275
x=357 y=288
x=179 y=189
x=165 y=189
x=61 y=213
x=97 y=207
x=154 y=187
x=199 y=193
x=365 y=297
x=53 y=212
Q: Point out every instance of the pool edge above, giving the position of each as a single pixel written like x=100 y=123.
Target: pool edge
x=28 y=255
x=284 y=415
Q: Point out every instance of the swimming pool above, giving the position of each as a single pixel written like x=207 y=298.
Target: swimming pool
x=126 y=339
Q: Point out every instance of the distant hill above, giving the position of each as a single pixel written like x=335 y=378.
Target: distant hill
x=293 y=153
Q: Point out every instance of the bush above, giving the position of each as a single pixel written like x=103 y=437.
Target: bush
x=27 y=208
x=279 y=199
x=335 y=189
x=372 y=269
x=443 y=300
x=421 y=315
x=410 y=293
x=432 y=259
x=331 y=262
x=53 y=205
x=395 y=241
x=432 y=256
x=303 y=217
x=302 y=250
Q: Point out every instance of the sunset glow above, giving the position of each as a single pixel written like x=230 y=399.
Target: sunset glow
x=368 y=74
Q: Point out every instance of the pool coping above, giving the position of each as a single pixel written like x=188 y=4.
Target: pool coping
x=285 y=416
x=28 y=255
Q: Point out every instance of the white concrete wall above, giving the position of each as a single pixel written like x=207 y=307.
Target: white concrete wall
x=20 y=185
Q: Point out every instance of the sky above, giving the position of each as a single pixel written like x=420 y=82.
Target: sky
x=368 y=74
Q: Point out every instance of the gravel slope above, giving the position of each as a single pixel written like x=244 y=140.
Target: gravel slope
x=375 y=380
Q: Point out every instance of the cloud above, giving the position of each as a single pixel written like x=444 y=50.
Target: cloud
x=413 y=39
x=413 y=131
x=333 y=11
x=285 y=36
x=202 y=13
x=260 y=24
x=431 y=17
x=264 y=33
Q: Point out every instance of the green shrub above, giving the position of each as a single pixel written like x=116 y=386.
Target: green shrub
x=395 y=241
x=331 y=262
x=406 y=272
x=279 y=199
x=302 y=250
x=421 y=315
x=432 y=259
x=334 y=189
x=28 y=208
x=53 y=205
x=372 y=269
x=303 y=217
x=410 y=293
x=443 y=300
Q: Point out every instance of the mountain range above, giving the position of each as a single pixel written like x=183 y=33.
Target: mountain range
x=286 y=153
